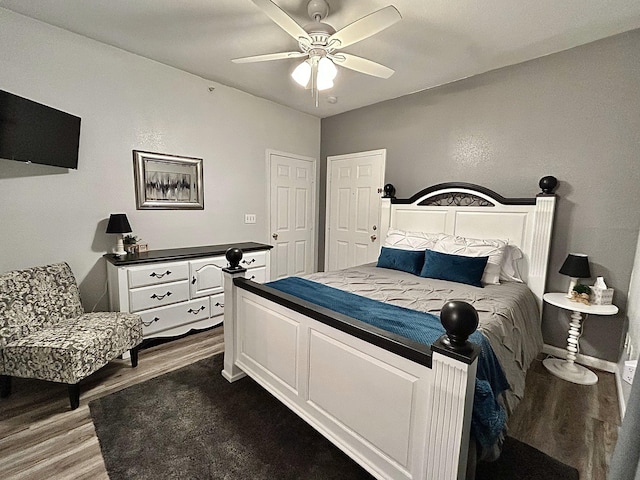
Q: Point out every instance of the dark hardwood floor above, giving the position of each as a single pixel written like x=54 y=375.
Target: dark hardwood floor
x=41 y=438
x=576 y=424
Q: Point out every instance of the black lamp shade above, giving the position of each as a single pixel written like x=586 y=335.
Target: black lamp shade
x=118 y=223
x=576 y=265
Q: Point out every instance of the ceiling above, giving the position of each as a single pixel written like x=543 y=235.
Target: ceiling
x=436 y=42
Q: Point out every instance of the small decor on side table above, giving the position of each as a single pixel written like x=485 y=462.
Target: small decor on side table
x=600 y=294
x=581 y=293
x=576 y=266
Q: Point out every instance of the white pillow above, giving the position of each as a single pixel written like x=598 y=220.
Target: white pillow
x=473 y=247
x=411 y=240
x=509 y=271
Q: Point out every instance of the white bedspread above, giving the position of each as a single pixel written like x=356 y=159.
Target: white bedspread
x=509 y=314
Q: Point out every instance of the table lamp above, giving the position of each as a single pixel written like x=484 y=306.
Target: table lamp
x=119 y=224
x=575 y=266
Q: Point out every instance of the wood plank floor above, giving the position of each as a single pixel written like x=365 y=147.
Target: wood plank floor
x=576 y=424
x=40 y=438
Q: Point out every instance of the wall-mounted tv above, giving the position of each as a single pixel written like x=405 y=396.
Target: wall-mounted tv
x=36 y=133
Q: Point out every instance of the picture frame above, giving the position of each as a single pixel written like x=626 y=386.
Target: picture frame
x=167 y=182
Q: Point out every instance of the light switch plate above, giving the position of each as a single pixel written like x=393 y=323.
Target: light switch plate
x=629 y=370
x=249 y=218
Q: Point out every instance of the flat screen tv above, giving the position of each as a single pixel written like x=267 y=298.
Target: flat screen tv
x=36 y=133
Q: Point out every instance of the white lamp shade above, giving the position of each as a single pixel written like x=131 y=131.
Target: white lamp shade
x=302 y=73
x=327 y=70
x=324 y=84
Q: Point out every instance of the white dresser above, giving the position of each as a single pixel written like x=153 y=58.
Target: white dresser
x=178 y=290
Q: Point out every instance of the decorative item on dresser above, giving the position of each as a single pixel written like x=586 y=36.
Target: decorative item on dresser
x=568 y=369
x=119 y=224
x=178 y=290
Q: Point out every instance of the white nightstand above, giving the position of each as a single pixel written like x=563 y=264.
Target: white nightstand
x=568 y=369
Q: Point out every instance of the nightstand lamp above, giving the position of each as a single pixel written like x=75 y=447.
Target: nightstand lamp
x=119 y=224
x=575 y=266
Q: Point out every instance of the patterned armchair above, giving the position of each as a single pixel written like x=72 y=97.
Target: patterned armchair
x=45 y=333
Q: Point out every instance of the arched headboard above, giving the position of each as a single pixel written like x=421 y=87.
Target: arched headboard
x=473 y=211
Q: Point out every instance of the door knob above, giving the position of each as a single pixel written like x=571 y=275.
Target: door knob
x=275 y=236
x=373 y=238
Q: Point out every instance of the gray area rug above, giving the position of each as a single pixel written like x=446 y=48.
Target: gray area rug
x=193 y=424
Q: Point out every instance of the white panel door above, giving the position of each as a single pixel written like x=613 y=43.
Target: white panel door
x=354 y=186
x=292 y=214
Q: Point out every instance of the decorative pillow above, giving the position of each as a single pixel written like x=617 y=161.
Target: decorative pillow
x=403 y=240
x=455 y=268
x=409 y=261
x=509 y=271
x=473 y=247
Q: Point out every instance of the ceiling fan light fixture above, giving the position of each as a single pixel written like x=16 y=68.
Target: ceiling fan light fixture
x=302 y=73
x=324 y=83
x=326 y=69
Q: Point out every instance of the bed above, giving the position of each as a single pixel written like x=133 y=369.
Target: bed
x=398 y=407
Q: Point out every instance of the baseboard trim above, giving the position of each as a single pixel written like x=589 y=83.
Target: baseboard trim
x=585 y=360
x=622 y=405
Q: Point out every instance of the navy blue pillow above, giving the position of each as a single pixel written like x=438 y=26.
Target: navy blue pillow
x=455 y=268
x=409 y=261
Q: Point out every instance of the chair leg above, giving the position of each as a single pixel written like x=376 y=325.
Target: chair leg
x=134 y=357
x=74 y=395
x=5 y=386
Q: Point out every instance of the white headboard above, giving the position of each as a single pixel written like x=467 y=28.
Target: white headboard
x=473 y=211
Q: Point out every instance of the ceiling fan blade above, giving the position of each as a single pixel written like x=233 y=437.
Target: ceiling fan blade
x=365 y=27
x=283 y=19
x=361 y=65
x=269 y=56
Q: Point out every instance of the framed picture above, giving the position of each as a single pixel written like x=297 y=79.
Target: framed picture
x=167 y=181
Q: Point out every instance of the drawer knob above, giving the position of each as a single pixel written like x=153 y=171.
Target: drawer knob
x=249 y=262
x=252 y=277
x=218 y=304
x=160 y=297
x=195 y=312
x=147 y=324
x=160 y=275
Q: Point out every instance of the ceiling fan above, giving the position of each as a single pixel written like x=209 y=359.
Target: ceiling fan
x=321 y=44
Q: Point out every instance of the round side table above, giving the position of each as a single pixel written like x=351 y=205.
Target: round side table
x=568 y=369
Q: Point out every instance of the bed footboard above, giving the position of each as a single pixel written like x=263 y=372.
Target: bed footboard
x=400 y=409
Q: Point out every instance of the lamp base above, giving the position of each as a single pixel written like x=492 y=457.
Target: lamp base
x=572 y=283
x=119 y=251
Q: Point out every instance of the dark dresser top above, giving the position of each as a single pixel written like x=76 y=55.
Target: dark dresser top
x=172 y=254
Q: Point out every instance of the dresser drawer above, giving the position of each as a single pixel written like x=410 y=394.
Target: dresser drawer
x=157 y=273
x=253 y=259
x=158 y=295
x=258 y=275
x=158 y=319
x=217 y=304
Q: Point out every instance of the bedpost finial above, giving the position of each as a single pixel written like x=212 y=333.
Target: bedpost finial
x=460 y=320
x=389 y=191
x=234 y=255
x=548 y=184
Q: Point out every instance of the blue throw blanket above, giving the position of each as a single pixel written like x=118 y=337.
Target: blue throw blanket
x=489 y=418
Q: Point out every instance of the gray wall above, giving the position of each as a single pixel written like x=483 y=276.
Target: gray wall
x=574 y=115
x=127 y=102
